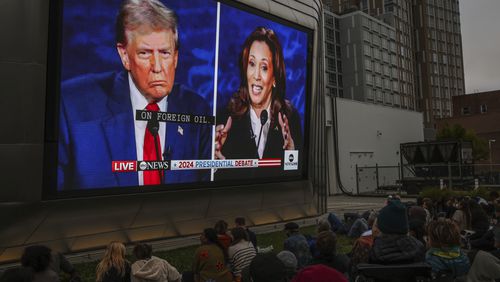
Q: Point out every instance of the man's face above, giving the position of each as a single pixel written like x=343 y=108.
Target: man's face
x=151 y=58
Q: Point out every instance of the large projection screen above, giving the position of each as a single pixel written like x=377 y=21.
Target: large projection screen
x=170 y=95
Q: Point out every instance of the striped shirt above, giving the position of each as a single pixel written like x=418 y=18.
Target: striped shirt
x=240 y=255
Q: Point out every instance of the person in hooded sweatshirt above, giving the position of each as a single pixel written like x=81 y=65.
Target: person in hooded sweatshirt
x=393 y=245
x=149 y=268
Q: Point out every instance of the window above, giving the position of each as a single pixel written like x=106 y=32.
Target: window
x=483 y=109
x=366 y=22
x=377 y=67
x=366 y=36
x=330 y=64
x=368 y=50
x=369 y=93
x=369 y=79
x=368 y=64
x=387 y=70
x=465 y=111
x=332 y=79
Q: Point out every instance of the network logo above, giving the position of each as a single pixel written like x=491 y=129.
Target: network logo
x=291 y=159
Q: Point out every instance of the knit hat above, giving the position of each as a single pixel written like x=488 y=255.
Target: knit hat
x=392 y=219
x=288 y=259
x=319 y=273
x=267 y=268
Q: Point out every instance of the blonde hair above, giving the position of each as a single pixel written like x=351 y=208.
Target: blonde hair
x=113 y=257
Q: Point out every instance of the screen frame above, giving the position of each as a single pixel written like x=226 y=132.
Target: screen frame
x=52 y=111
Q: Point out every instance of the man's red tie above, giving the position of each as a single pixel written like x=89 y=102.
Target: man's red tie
x=151 y=177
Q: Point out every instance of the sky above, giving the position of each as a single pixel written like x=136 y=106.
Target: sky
x=480 y=24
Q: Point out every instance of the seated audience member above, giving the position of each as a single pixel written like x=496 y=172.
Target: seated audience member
x=222 y=234
x=361 y=249
x=210 y=259
x=297 y=244
x=416 y=223
x=428 y=205
x=323 y=225
x=337 y=225
x=496 y=233
x=478 y=219
x=393 y=245
x=240 y=222
x=327 y=247
x=241 y=252
x=444 y=255
x=319 y=273
x=359 y=227
x=485 y=268
x=417 y=213
x=18 y=274
x=267 y=268
x=149 y=268
x=61 y=264
x=449 y=207
x=290 y=262
x=113 y=266
x=462 y=215
x=38 y=258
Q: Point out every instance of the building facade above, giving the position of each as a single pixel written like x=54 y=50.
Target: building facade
x=438 y=43
x=479 y=112
x=370 y=72
x=427 y=47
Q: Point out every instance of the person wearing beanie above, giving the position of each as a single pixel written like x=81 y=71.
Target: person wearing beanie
x=290 y=262
x=319 y=273
x=393 y=245
x=267 y=267
x=297 y=244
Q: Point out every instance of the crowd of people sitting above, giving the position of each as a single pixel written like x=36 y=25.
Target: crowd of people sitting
x=455 y=239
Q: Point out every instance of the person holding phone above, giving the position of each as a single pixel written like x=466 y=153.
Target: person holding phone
x=261 y=122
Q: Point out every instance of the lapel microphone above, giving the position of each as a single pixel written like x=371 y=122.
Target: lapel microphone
x=263 y=120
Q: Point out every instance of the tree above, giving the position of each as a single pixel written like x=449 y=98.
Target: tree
x=457 y=132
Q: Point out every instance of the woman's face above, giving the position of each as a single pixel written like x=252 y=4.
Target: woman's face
x=260 y=74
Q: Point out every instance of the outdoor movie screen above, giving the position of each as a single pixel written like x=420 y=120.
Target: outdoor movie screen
x=172 y=94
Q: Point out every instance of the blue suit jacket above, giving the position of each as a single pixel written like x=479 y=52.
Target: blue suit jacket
x=97 y=127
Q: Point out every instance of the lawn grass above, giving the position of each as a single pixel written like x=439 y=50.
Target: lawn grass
x=182 y=258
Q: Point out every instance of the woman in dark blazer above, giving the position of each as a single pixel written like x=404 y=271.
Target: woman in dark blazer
x=261 y=123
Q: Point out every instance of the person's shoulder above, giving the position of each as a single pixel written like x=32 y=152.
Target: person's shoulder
x=91 y=78
x=92 y=84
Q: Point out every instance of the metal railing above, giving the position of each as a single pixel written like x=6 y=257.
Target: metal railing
x=412 y=178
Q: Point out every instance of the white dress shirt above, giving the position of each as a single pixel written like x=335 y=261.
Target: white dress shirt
x=256 y=125
x=139 y=102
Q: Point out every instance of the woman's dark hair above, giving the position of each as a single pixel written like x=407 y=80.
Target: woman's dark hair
x=443 y=233
x=143 y=251
x=37 y=257
x=239 y=233
x=240 y=102
x=211 y=236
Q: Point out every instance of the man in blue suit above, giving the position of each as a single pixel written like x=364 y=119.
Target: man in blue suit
x=97 y=118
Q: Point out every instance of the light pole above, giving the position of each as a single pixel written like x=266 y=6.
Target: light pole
x=489 y=147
